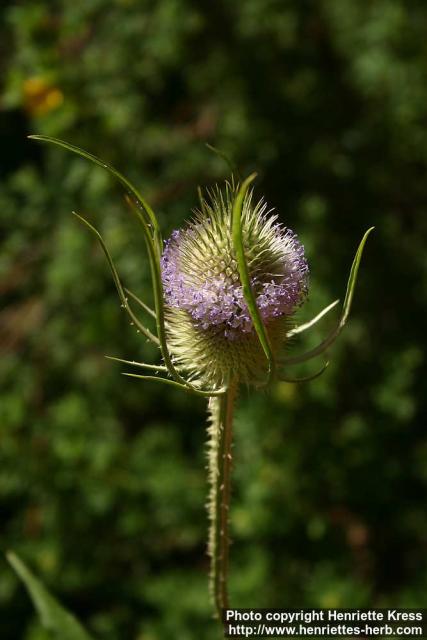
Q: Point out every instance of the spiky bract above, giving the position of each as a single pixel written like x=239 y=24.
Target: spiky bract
x=210 y=331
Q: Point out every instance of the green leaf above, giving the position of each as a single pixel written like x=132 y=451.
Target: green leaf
x=62 y=624
x=236 y=231
x=330 y=339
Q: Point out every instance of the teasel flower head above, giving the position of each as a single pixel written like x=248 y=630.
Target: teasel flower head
x=226 y=288
x=210 y=329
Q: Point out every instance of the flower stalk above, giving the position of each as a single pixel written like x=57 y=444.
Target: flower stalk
x=220 y=433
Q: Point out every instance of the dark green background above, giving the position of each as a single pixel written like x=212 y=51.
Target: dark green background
x=103 y=479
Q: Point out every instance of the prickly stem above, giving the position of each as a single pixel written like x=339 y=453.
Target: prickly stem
x=220 y=465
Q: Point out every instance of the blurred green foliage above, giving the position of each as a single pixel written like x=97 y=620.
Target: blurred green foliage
x=102 y=479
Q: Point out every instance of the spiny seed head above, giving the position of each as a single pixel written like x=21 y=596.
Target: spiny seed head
x=210 y=330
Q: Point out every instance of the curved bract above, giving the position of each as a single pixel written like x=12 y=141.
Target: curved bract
x=345 y=312
x=128 y=186
x=307 y=325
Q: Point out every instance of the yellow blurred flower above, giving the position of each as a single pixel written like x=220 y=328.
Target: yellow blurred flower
x=40 y=96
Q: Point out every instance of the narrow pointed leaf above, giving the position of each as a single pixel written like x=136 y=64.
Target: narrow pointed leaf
x=284 y=378
x=353 y=277
x=236 y=231
x=142 y=365
x=117 y=282
x=311 y=323
x=190 y=389
x=57 y=620
x=330 y=339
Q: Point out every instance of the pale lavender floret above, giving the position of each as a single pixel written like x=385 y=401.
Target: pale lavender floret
x=219 y=301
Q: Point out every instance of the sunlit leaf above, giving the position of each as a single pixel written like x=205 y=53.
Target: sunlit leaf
x=307 y=325
x=178 y=385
